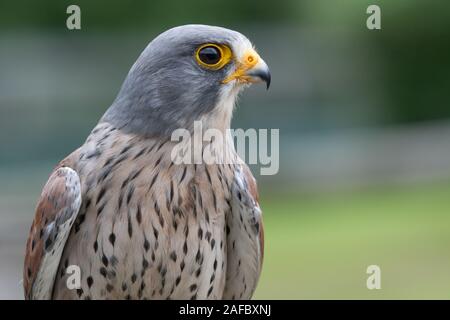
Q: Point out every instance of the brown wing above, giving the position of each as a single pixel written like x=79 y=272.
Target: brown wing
x=56 y=211
x=245 y=238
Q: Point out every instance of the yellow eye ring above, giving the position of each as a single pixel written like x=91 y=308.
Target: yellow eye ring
x=213 y=56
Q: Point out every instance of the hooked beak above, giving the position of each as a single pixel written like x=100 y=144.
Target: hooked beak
x=260 y=72
x=251 y=68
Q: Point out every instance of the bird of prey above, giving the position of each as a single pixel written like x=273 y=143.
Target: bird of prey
x=134 y=223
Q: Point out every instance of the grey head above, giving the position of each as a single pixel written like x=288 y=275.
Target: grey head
x=170 y=85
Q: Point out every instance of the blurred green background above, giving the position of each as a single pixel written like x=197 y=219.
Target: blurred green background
x=364 y=119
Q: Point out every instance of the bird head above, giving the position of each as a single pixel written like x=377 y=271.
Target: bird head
x=188 y=73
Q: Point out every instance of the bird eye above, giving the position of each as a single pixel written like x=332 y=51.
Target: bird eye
x=213 y=56
x=209 y=55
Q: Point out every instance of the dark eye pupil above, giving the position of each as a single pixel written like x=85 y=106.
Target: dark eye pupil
x=209 y=55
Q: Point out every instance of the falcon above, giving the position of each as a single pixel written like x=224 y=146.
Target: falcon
x=135 y=224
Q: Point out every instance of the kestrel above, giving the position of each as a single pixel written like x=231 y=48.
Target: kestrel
x=137 y=225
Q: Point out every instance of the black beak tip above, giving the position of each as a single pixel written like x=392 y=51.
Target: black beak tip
x=266 y=77
x=263 y=75
x=268 y=81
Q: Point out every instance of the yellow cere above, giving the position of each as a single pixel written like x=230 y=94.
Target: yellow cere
x=249 y=59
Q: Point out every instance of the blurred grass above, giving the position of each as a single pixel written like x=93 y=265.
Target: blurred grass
x=319 y=245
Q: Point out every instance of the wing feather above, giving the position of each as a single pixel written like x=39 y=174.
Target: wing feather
x=55 y=214
x=245 y=238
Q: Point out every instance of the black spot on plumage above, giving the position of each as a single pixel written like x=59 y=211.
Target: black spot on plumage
x=139 y=215
x=95 y=246
x=103 y=271
x=88 y=203
x=112 y=238
x=108 y=161
x=198 y=256
x=113 y=260
x=153 y=180
x=177 y=211
x=89 y=281
x=158 y=161
x=183 y=174
x=163 y=272
x=48 y=243
x=124 y=183
x=140 y=153
x=126 y=148
x=173 y=256
x=193 y=287
x=156 y=206
x=175 y=224
x=214 y=201
x=146 y=245
x=120 y=201
x=130 y=227
x=130 y=194
x=200 y=200
x=182 y=265
x=100 y=209
x=207 y=215
x=135 y=174
x=208 y=175
x=111 y=274
x=100 y=195
x=160 y=146
x=119 y=160
x=133 y=278
x=104 y=174
x=105 y=260
x=145 y=263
